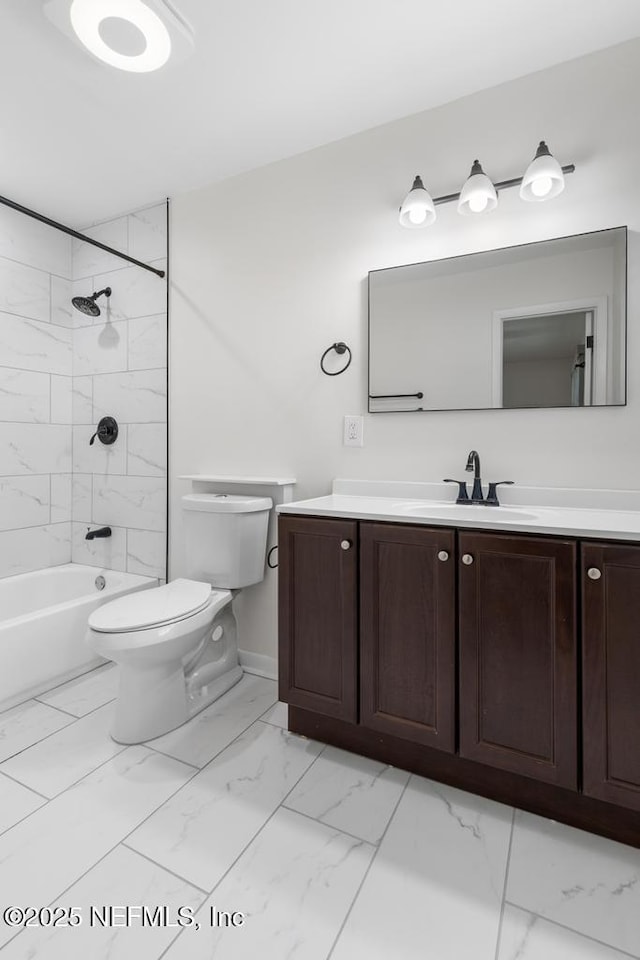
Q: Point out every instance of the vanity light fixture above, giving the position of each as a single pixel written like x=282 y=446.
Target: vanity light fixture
x=417 y=208
x=88 y=16
x=544 y=177
x=543 y=180
x=478 y=194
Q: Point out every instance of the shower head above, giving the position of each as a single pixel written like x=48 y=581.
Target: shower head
x=88 y=305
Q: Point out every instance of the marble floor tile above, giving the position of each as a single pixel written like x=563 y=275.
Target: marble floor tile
x=26 y=724
x=584 y=882
x=16 y=802
x=206 y=825
x=43 y=855
x=278 y=715
x=294 y=884
x=66 y=756
x=210 y=731
x=437 y=880
x=85 y=693
x=122 y=879
x=524 y=936
x=349 y=792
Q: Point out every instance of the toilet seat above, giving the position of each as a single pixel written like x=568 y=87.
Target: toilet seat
x=155 y=608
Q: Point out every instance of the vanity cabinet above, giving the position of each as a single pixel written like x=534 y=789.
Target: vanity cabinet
x=611 y=673
x=518 y=660
x=318 y=615
x=407 y=632
x=504 y=664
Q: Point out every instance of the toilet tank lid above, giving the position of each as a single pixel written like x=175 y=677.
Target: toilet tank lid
x=225 y=503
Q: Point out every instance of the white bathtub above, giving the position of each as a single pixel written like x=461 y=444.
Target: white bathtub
x=43 y=625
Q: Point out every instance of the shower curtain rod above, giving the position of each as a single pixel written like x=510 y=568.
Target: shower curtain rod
x=79 y=236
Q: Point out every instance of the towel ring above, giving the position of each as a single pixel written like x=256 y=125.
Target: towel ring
x=339 y=348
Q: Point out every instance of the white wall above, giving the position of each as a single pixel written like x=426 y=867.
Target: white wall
x=270 y=268
x=35 y=395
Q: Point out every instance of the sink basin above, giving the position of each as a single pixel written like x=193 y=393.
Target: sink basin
x=456 y=511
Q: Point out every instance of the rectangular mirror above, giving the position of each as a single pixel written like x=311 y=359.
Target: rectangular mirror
x=537 y=325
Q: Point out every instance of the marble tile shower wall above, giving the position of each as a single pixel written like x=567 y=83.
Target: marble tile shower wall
x=120 y=370
x=35 y=395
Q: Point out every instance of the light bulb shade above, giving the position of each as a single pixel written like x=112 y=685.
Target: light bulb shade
x=88 y=15
x=417 y=208
x=478 y=194
x=544 y=178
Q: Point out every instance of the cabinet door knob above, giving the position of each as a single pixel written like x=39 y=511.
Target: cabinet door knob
x=443 y=555
x=345 y=544
x=467 y=559
x=593 y=573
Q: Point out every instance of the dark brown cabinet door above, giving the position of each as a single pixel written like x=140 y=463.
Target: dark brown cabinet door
x=318 y=604
x=611 y=673
x=407 y=632
x=518 y=669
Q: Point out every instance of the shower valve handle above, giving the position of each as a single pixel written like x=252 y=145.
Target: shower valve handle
x=107 y=432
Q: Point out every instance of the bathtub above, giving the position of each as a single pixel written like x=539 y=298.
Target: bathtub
x=43 y=625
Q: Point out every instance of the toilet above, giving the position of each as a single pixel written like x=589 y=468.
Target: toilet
x=176 y=645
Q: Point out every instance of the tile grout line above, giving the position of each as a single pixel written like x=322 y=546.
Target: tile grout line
x=579 y=933
x=24 y=786
x=166 y=869
x=30 y=266
x=41 y=739
x=67 y=713
x=88 y=713
x=367 y=871
x=74 y=783
x=100 y=666
x=505 y=884
x=330 y=826
x=41 y=373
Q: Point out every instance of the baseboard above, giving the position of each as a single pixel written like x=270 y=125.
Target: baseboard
x=259 y=664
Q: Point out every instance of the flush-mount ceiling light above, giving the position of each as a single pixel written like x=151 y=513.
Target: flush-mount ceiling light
x=92 y=18
x=544 y=177
x=417 y=208
x=478 y=194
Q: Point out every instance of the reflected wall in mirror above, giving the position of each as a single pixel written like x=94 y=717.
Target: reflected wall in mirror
x=537 y=325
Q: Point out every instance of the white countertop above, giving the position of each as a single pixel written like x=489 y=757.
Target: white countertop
x=597 y=522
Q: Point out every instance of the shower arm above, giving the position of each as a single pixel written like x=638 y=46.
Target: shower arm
x=78 y=236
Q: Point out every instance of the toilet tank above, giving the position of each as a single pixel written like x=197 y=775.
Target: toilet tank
x=225 y=538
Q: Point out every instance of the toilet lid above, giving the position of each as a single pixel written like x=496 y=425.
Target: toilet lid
x=151 y=608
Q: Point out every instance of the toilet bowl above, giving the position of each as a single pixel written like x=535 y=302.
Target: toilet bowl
x=176 y=645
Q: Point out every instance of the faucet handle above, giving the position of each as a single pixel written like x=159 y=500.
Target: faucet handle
x=463 y=496
x=492 y=496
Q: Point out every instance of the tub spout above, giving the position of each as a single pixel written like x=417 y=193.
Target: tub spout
x=95 y=534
